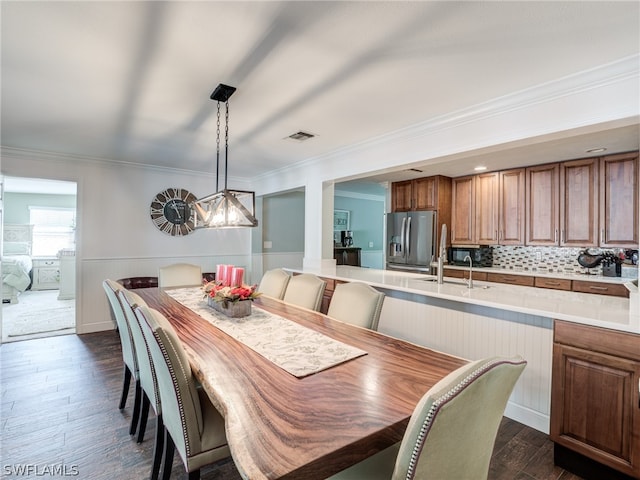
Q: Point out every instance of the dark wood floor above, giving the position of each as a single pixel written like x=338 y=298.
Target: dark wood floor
x=59 y=411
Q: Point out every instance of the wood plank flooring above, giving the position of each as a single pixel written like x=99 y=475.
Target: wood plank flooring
x=59 y=414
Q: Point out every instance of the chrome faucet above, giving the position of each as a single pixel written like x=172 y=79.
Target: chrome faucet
x=470 y=282
x=443 y=253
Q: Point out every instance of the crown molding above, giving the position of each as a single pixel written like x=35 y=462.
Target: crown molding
x=617 y=72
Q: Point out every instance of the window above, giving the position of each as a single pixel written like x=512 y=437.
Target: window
x=53 y=230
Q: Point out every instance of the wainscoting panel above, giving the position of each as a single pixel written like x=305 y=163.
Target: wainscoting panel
x=92 y=308
x=474 y=333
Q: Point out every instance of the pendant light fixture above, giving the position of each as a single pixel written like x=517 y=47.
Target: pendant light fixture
x=225 y=208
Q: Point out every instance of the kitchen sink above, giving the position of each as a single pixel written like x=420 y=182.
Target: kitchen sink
x=452 y=282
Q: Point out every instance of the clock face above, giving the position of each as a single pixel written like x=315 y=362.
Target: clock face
x=171 y=211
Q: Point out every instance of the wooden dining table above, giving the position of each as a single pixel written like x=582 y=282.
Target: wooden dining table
x=280 y=426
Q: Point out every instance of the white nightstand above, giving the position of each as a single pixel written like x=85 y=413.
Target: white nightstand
x=46 y=273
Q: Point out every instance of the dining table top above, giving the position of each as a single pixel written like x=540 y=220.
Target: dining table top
x=280 y=426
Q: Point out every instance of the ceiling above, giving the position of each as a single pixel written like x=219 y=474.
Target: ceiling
x=130 y=81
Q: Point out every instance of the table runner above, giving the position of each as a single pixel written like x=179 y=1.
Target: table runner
x=292 y=347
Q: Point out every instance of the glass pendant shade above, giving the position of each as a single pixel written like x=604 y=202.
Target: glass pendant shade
x=226 y=209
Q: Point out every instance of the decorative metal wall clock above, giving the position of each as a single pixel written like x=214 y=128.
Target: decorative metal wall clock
x=172 y=211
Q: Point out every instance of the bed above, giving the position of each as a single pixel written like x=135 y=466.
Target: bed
x=16 y=261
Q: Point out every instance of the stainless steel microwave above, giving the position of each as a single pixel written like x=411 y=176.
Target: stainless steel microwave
x=481 y=256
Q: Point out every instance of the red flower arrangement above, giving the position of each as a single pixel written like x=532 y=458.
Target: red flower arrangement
x=224 y=293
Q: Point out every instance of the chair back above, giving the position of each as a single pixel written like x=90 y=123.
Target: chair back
x=179 y=275
x=130 y=301
x=181 y=408
x=306 y=291
x=453 y=428
x=356 y=303
x=274 y=283
x=112 y=288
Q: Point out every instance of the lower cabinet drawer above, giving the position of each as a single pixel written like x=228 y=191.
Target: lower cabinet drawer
x=616 y=290
x=555 y=283
x=522 y=280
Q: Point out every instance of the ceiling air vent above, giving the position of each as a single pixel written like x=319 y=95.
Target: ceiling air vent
x=301 y=136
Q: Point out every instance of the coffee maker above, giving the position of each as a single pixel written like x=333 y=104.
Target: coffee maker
x=346 y=238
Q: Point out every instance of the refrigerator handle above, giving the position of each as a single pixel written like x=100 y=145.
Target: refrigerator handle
x=408 y=248
x=402 y=237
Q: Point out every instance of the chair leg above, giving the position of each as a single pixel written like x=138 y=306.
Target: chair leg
x=144 y=415
x=158 y=448
x=136 y=409
x=125 y=387
x=195 y=475
x=167 y=461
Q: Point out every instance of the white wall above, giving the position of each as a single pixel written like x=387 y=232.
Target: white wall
x=580 y=103
x=115 y=236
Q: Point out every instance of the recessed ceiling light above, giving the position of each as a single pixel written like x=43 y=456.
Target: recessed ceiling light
x=597 y=150
x=480 y=168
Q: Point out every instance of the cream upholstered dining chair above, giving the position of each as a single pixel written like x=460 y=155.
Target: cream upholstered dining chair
x=129 y=301
x=129 y=358
x=179 y=275
x=192 y=425
x=356 y=303
x=306 y=291
x=274 y=283
x=453 y=428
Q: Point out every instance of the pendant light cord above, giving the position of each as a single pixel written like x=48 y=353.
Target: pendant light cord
x=226 y=142
x=218 y=151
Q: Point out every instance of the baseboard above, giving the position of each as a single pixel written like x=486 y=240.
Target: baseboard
x=95 y=327
x=528 y=417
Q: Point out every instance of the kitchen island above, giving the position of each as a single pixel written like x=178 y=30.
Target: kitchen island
x=491 y=319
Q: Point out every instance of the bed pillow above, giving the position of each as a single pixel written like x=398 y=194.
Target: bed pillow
x=16 y=248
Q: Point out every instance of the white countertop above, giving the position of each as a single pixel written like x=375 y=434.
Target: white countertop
x=605 y=311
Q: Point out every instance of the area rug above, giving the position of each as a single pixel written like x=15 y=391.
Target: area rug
x=38 y=313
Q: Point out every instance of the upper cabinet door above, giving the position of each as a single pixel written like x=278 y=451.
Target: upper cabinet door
x=511 y=207
x=401 y=196
x=425 y=193
x=579 y=203
x=463 y=211
x=619 y=201
x=542 y=205
x=487 y=227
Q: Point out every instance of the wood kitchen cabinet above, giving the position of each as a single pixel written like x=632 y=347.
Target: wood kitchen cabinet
x=486 y=225
x=619 y=201
x=347 y=256
x=542 y=204
x=522 y=280
x=456 y=273
x=463 y=211
x=418 y=194
x=428 y=193
x=600 y=288
x=495 y=216
x=511 y=204
x=579 y=203
x=595 y=404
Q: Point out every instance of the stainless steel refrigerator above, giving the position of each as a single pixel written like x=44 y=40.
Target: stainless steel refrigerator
x=410 y=240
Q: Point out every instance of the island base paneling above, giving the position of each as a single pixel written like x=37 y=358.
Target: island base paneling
x=473 y=332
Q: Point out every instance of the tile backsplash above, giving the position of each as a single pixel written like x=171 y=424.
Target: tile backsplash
x=563 y=260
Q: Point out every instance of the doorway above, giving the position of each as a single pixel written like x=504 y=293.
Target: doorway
x=38 y=258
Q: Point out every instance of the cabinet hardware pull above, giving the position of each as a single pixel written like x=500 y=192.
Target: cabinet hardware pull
x=555 y=235
x=593 y=287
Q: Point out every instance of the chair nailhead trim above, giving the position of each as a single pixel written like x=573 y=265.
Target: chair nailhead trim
x=437 y=405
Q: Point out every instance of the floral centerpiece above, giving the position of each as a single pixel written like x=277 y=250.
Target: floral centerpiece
x=233 y=301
